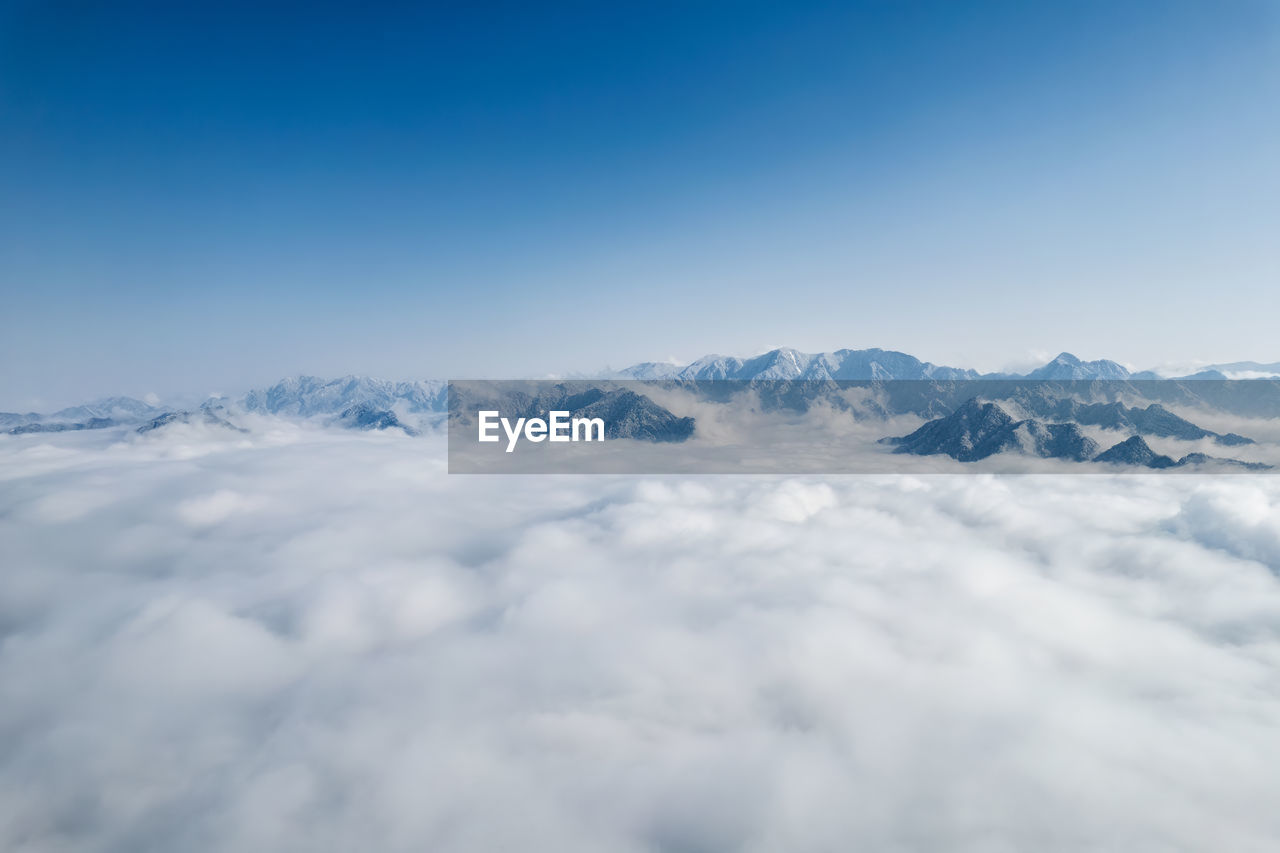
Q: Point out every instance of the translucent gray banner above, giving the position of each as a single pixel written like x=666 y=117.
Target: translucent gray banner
x=864 y=426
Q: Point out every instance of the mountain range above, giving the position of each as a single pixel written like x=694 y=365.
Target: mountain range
x=307 y=396
x=355 y=402
x=978 y=429
x=878 y=364
x=786 y=363
x=365 y=403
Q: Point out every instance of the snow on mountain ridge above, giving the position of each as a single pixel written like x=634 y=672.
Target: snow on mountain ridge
x=874 y=363
x=788 y=363
x=305 y=396
x=107 y=407
x=1067 y=366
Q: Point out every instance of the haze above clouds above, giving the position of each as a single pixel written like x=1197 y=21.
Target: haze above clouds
x=311 y=640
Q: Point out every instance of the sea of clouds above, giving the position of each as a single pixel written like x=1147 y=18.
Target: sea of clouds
x=303 y=639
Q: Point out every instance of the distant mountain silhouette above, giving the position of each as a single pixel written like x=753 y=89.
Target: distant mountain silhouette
x=366 y=417
x=209 y=415
x=1135 y=451
x=978 y=430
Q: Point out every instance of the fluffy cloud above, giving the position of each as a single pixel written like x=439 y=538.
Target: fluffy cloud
x=306 y=640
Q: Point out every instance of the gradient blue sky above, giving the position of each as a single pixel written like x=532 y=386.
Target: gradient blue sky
x=204 y=197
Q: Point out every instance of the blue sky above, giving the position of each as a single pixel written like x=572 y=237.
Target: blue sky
x=202 y=197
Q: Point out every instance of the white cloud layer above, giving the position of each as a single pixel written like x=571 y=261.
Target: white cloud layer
x=320 y=641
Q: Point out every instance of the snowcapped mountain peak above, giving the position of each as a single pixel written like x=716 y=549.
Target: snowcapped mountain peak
x=107 y=407
x=1067 y=367
x=788 y=363
x=305 y=396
